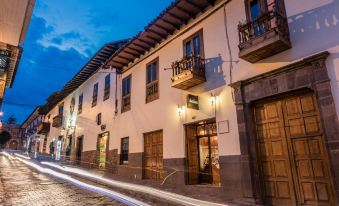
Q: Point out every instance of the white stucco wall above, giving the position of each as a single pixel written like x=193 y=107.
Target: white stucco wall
x=313 y=28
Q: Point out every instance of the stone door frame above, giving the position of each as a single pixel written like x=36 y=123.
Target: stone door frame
x=309 y=74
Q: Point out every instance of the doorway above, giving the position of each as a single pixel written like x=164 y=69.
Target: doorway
x=202 y=153
x=291 y=156
x=153 y=155
x=79 y=147
x=102 y=149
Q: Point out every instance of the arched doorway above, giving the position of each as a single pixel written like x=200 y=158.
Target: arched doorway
x=13 y=145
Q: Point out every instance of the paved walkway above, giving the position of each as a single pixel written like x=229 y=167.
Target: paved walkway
x=20 y=185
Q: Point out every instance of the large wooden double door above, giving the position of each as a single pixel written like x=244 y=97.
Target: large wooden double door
x=153 y=155
x=291 y=155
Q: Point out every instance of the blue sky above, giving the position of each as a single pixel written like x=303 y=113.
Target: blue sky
x=62 y=36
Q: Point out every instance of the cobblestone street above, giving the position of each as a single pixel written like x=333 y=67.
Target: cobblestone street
x=20 y=185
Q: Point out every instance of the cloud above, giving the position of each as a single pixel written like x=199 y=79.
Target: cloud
x=42 y=70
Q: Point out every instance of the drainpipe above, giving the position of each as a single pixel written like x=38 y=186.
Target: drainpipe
x=116 y=92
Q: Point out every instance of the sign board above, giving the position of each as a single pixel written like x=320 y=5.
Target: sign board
x=223 y=127
x=192 y=101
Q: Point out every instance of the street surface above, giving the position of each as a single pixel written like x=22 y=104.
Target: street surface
x=21 y=185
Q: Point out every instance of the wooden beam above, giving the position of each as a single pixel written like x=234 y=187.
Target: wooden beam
x=177 y=17
x=152 y=38
x=195 y=5
x=211 y=2
x=139 y=45
x=151 y=44
x=131 y=53
x=117 y=62
x=176 y=26
x=137 y=50
x=157 y=33
x=163 y=28
x=128 y=59
x=185 y=11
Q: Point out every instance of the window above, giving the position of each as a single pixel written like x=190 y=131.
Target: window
x=81 y=99
x=95 y=94
x=61 y=109
x=72 y=105
x=256 y=9
x=124 y=150
x=152 y=83
x=107 y=86
x=193 y=46
x=126 y=94
x=98 y=120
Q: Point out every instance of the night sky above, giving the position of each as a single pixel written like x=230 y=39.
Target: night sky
x=62 y=36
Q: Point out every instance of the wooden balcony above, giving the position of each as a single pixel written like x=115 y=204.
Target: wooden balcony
x=57 y=121
x=44 y=128
x=266 y=36
x=188 y=72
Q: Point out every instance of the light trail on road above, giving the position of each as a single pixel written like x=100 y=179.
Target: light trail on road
x=109 y=193
x=180 y=199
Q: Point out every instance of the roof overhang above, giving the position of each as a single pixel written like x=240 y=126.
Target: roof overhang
x=15 y=16
x=178 y=14
x=95 y=63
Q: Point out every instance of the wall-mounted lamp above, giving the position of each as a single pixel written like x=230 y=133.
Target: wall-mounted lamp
x=213 y=99
x=1 y=113
x=180 y=110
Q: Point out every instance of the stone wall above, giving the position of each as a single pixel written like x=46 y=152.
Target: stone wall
x=89 y=159
x=112 y=161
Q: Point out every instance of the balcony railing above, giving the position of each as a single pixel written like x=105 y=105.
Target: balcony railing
x=44 y=128
x=57 y=121
x=265 y=36
x=188 y=72
x=94 y=101
x=126 y=103
x=106 y=93
x=152 y=91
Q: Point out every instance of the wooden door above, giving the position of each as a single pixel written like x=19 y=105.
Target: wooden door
x=273 y=155
x=153 y=155
x=192 y=155
x=291 y=155
x=310 y=163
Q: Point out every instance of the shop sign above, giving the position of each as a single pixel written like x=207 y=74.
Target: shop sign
x=192 y=102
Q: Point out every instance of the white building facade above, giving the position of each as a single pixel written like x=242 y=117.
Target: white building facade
x=251 y=108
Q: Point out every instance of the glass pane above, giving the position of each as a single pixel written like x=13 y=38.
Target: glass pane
x=107 y=81
x=124 y=87
x=154 y=71
x=128 y=88
x=188 y=48
x=196 y=45
x=254 y=9
x=204 y=157
x=149 y=73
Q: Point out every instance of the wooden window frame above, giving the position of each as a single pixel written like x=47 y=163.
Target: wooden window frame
x=263 y=8
x=153 y=84
x=107 y=87
x=95 y=96
x=126 y=97
x=190 y=38
x=80 y=103
x=123 y=154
